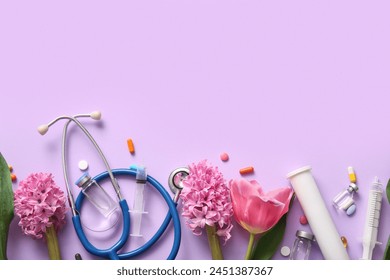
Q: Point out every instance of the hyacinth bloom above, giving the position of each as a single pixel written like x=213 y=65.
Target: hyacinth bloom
x=255 y=210
x=206 y=204
x=40 y=204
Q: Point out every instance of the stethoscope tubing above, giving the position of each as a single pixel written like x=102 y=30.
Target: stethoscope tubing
x=112 y=251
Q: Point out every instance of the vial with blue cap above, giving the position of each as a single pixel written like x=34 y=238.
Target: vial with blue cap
x=95 y=193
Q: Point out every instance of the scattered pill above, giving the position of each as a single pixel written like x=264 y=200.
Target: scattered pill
x=285 y=251
x=13 y=177
x=224 y=157
x=352 y=175
x=303 y=220
x=351 y=209
x=130 y=145
x=345 y=241
x=78 y=257
x=247 y=170
x=83 y=165
x=10 y=168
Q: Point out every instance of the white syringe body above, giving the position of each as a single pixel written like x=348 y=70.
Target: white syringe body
x=139 y=201
x=138 y=210
x=372 y=219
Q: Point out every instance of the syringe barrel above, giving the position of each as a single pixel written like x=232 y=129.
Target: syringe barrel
x=317 y=214
x=139 y=199
x=372 y=220
x=369 y=244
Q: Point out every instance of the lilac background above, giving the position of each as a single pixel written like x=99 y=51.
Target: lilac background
x=277 y=85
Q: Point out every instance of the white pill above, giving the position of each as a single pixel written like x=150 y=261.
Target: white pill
x=285 y=251
x=83 y=165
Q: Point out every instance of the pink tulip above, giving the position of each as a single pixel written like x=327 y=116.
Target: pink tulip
x=255 y=210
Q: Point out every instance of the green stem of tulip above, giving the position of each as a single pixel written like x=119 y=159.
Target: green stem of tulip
x=52 y=243
x=215 y=247
x=250 y=246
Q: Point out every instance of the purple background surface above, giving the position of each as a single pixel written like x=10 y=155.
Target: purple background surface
x=277 y=85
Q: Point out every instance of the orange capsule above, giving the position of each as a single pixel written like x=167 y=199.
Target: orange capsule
x=247 y=170
x=13 y=177
x=130 y=145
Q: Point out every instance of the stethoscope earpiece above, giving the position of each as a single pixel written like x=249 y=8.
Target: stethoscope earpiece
x=42 y=129
x=96 y=115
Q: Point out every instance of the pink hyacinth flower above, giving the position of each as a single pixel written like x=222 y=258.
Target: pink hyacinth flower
x=255 y=210
x=40 y=204
x=206 y=200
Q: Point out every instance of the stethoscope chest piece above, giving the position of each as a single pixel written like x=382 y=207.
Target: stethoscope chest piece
x=176 y=178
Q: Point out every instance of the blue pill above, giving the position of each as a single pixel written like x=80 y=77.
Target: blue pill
x=351 y=209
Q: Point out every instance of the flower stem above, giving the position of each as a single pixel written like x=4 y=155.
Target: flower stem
x=215 y=247
x=250 y=246
x=52 y=243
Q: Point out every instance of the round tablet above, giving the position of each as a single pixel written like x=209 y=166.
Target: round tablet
x=285 y=251
x=83 y=165
x=303 y=220
x=224 y=157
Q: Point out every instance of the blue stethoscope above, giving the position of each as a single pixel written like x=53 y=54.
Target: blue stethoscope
x=112 y=252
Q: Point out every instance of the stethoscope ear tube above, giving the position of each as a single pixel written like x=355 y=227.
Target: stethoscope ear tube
x=111 y=252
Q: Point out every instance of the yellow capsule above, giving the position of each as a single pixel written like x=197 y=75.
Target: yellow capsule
x=352 y=175
x=345 y=241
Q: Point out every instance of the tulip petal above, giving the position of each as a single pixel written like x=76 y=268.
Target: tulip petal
x=264 y=214
x=257 y=187
x=255 y=210
x=283 y=195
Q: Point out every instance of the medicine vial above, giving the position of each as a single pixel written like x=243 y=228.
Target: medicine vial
x=302 y=246
x=97 y=195
x=344 y=199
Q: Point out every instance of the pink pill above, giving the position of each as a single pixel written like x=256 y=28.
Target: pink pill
x=303 y=220
x=224 y=157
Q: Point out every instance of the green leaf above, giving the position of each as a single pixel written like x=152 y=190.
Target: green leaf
x=6 y=206
x=388 y=191
x=268 y=243
x=386 y=255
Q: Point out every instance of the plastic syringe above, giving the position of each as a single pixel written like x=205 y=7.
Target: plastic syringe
x=372 y=219
x=139 y=201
